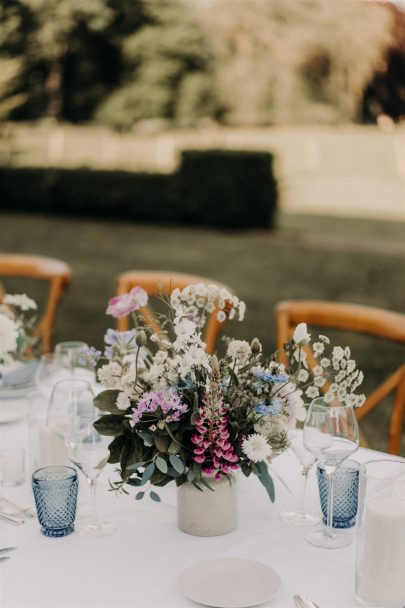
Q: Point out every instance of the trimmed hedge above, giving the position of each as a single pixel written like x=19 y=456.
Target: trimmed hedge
x=211 y=188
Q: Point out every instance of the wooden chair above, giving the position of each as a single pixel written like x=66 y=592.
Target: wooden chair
x=151 y=282
x=359 y=319
x=56 y=272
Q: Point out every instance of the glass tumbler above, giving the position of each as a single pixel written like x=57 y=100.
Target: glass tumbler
x=55 y=494
x=380 y=561
x=345 y=495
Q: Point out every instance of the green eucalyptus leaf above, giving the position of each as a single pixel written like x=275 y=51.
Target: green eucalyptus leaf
x=140 y=495
x=136 y=465
x=110 y=425
x=105 y=402
x=146 y=437
x=206 y=484
x=147 y=474
x=176 y=463
x=162 y=442
x=155 y=496
x=161 y=464
x=174 y=448
x=190 y=475
x=115 y=448
x=261 y=470
x=134 y=481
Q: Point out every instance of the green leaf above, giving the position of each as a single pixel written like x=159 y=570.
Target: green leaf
x=110 y=425
x=115 y=448
x=140 y=495
x=190 y=475
x=261 y=470
x=148 y=472
x=134 y=481
x=161 y=464
x=106 y=400
x=162 y=442
x=146 y=437
x=206 y=484
x=197 y=486
x=137 y=465
x=176 y=463
x=155 y=496
x=174 y=448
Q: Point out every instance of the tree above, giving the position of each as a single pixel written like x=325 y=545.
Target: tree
x=168 y=69
x=294 y=61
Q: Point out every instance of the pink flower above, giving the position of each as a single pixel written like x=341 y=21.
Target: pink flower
x=121 y=306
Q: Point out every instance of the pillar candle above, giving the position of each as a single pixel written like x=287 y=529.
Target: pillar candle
x=381 y=570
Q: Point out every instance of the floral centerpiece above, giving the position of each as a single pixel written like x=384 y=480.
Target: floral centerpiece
x=17 y=319
x=177 y=414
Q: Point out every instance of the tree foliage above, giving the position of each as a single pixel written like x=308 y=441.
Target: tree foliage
x=252 y=62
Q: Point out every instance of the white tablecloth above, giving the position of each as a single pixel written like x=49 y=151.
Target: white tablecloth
x=138 y=565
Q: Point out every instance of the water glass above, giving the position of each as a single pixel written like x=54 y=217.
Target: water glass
x=55 y=493
x=345 y=496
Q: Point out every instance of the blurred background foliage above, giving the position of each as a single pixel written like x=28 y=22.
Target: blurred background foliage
x=177 y=63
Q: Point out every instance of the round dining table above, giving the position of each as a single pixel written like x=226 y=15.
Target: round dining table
x=138 y=566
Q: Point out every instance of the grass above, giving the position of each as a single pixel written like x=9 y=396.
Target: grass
x=307 y=257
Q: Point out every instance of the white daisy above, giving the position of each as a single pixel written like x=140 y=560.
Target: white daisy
x=256 y=448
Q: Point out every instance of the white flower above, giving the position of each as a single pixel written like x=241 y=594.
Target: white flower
x=324 y=339
x=241 y=310
x=184 y=329
x=8 y=336
x=20 y=301
x=123 y=402
x=319 y=381
x=239 y=350
x=325 y=362
x=301 y=335
x=303 y=375
x=110 y=375
x=221 y=316
x=338 y=353
x=318 y=348
x=312 y=392
x=351 y=366
x=256 y=448
x=317 y=370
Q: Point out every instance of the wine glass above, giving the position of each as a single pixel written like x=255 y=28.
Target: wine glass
x=300 y=517
x=63 y=364
x=331 y=434
x=71 y=414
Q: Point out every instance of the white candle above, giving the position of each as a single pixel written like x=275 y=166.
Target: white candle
x=381 y=552
x=51 y=448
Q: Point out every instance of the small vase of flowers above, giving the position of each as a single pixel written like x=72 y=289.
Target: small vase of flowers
x=176 y=414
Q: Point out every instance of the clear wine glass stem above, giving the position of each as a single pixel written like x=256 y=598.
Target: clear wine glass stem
x=93 y=491
x=304 y=472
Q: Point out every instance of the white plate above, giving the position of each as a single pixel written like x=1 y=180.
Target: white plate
x=229 y=583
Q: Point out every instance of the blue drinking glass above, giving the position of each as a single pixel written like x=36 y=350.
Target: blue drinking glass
x=345 y=493
x=55 y=493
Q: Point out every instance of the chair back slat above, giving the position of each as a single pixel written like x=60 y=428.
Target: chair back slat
x=360 y=319
x=51 y=270
x=153 y=282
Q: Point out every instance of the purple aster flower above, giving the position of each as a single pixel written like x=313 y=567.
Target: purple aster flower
x=89 y=356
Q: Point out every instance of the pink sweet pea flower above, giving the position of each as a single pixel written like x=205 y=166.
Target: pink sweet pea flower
x=121 y=306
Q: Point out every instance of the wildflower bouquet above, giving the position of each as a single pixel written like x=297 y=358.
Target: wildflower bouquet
x=176 y=413
x=17 y=318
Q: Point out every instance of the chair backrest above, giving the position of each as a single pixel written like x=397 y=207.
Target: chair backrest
x=56 y=272
x=152 y=282
x=359 y=319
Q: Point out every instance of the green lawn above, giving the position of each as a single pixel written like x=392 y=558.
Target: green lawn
x=307 y=257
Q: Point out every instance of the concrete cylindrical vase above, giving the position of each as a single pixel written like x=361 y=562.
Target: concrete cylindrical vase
x=208 y=512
